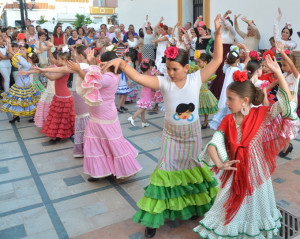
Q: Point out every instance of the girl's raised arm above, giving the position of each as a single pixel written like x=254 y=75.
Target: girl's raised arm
x=212 y=67
x=273 y=65
x=294 y=69
x=144 y=80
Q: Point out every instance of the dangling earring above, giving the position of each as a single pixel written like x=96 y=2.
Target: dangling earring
x=244 y=110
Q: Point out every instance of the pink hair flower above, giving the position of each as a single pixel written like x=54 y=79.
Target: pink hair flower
x=171 y=52
x=287 y=51
x=201 y=24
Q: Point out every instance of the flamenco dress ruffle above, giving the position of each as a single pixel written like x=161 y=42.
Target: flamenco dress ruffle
x=43 y=106
x=145 y=102
x=20 y=101
x=208 y=103
x=176 y=195
x=180 y=187
x=133 y=95
x=157 y=97
x=37 y=83
x=61 y=118
x=106 y=151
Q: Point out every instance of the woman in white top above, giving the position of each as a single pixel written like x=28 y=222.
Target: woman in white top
x=5 y=65
x=133 y=45
x=286 y=33
x=182 y=40
x=162 y=42
x=228 y=37
x=252 y=38
x=148 y=48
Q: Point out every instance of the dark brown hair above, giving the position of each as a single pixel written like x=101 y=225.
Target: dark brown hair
x=108 y=56
x=182 y=58
x=55 y=31
x=34 y=57
x=64 y=56
x=247 y=89
x=252 y=67
x=81 y=50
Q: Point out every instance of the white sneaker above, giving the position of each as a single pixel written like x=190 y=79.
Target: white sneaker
x=145 y=125
x=131 y=120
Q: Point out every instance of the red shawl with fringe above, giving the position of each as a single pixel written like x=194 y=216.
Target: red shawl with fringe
x=243 y=182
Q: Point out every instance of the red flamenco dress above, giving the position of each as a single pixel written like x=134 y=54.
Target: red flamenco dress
x=61 y=117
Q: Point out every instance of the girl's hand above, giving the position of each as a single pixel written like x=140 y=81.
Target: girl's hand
x=237 y=16
x=153 y=41
x=90 y=55
x=73 y=66
x=229 y=12
x=227 y=165
x=272 y=64
x=161 y=19
x=279 y=12
x=23 y=73
x=241 y=46
x=279 y=47
x=244 y=18
x=146 y=17
x=217 y=25
x=116 y=63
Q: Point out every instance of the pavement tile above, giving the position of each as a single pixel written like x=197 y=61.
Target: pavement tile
x=36 y=221
x=10 y=150
x=73 y=180
x=55 y=161
x=10 y=221
x=4 y=170
x=17 y=168
x=15 y=232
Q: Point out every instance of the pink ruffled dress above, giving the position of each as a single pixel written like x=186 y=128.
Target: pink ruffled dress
x=43 y=106
x=145 y=102
x=106 y=151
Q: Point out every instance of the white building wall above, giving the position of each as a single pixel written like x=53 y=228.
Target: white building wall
x=263 y=13
x=14 y=14
x=135 y=11
x=187 y=12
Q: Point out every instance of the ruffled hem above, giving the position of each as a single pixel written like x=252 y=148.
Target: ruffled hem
x=181 y=178
x=155 y=206
x=162 y=193
x=41 y=114
x=80 y=125
x=157 y=97
x=124 y=90
x=157 y=220
x=212 y=228
x=100 y=167
x=78 y=150
x=105 y=157
x=208 y=111
x=20 y=98
x=144 y=104
x=61 y=118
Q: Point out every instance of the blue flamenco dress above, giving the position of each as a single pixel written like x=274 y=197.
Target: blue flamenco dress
x=22 y=98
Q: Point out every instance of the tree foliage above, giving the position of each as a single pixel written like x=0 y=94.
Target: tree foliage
x=42 y=19
x=82 y=20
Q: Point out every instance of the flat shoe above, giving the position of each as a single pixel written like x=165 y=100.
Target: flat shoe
x=150 y=232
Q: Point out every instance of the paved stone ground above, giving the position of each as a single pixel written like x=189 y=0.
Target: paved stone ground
x=44 y=193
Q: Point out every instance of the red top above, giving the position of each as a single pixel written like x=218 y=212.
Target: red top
x=58 y=41
x=61 y=88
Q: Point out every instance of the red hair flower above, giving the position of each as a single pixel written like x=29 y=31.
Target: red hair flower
x=171 y=52
x=161 y=24
x=287 y=51
x=21 y=36
x=240 y=76
x=269 y=52
x=254 y=56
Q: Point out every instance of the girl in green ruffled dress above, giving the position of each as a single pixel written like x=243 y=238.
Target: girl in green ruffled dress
x=208 y=103
x=180 y=187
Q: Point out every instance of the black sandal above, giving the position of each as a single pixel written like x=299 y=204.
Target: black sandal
x=289 y=150
x=204 y=126
x=150 y=232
